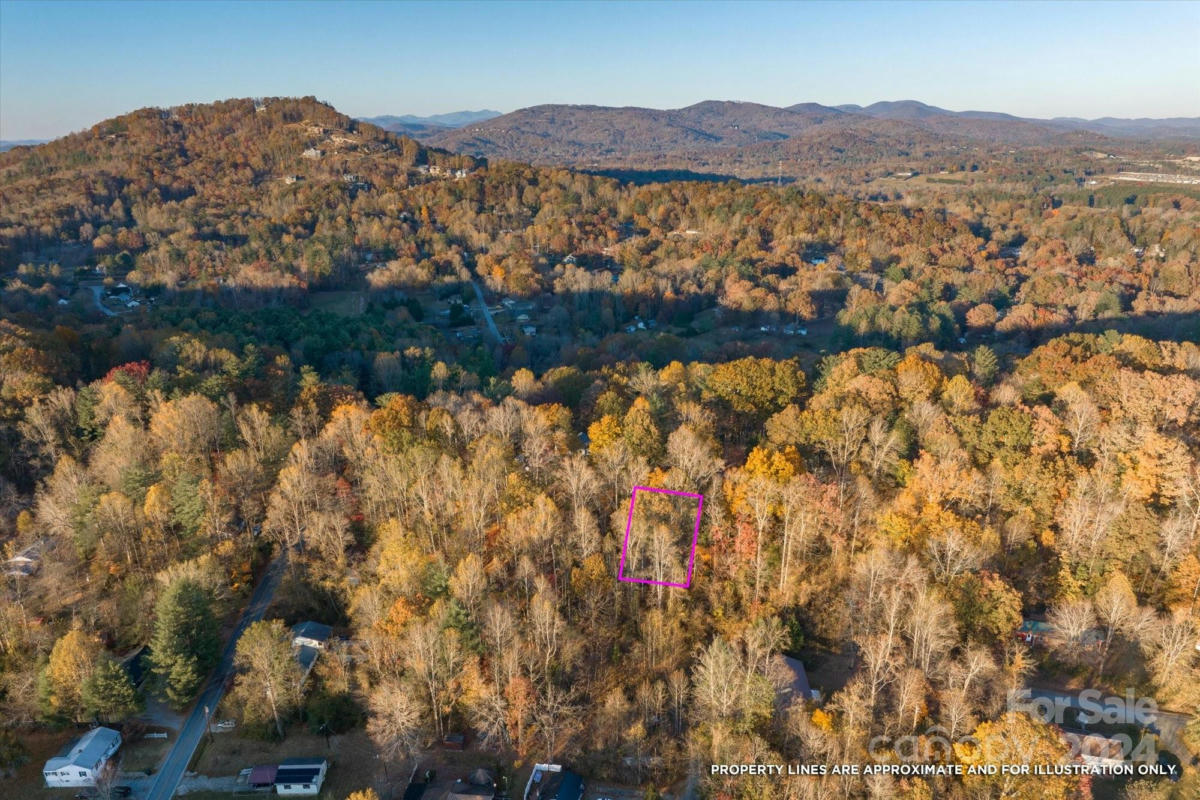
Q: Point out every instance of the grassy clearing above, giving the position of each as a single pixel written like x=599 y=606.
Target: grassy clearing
x=28 y=782
x=145 y=754
x=352 y=761
x=343 y=302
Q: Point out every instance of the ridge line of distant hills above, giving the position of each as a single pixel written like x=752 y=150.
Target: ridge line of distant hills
x=714 y=133
x=1134 y=127
x=729 y=133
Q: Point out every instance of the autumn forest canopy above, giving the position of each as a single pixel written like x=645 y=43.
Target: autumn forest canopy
x=921 y=413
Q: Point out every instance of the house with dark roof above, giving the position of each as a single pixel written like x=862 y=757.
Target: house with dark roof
x=791 y=681
x=263 y=776
x=137 y=665
x=480 y=785
x=552 y=782
x=300 y=776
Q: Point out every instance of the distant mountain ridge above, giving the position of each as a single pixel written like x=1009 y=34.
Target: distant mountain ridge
x=452 y=119
x=580 y=135
x=413 y=125
x=9 y=144
x=1142 y=127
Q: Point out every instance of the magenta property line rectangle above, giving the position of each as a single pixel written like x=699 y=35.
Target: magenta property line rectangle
x=691 y=553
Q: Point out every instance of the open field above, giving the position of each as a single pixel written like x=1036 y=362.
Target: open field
x=28 y=782
x=144 y=755
x=344 y=302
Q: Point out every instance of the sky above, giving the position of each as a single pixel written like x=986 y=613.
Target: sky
x=65 y=66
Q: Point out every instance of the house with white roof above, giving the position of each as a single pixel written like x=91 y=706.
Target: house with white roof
x=308 y=640
x=25 y=563
x=83 y=761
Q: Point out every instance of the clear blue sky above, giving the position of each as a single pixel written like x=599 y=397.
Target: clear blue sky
x=66 y=65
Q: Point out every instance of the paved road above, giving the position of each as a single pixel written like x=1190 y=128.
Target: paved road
x=1168 y=725
x=487 y=315
x=172 y=768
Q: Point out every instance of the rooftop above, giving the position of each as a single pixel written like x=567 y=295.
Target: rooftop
x=316 y=631
x=792 y=672
x=88 y=751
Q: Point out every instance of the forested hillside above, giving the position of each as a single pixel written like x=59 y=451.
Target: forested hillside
x=993 y=414
x=189 y=188
x=799 y=142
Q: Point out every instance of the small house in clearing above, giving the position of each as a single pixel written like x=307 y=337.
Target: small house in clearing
x=1034 y=632
x=300 y=776
x=1037 y=633
x=84 y=760
x=26 y=562
x=308 y=640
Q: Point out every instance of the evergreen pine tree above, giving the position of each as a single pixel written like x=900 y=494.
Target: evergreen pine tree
x=108 y=693
x=186 y=643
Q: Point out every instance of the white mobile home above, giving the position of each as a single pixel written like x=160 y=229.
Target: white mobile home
x=83 y=760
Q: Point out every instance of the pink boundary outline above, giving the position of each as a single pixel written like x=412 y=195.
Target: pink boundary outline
x=629 y=526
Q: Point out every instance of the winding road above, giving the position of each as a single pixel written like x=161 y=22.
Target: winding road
x=171 y=771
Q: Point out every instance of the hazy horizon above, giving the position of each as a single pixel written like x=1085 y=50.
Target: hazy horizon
x=66 y=66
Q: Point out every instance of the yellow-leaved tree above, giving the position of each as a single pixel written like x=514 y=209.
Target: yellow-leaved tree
x=1015 y=738
x=71 y=663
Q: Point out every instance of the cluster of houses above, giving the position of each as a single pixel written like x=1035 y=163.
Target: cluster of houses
x=122 y=295
x=786 y=330
x=85 y=760
x=435 y=171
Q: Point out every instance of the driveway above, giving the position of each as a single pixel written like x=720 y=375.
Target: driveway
x=1167 y=725
x=171 y=771
x=97 y=294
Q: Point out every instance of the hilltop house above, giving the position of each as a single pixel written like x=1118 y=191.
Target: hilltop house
x=84 y=760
